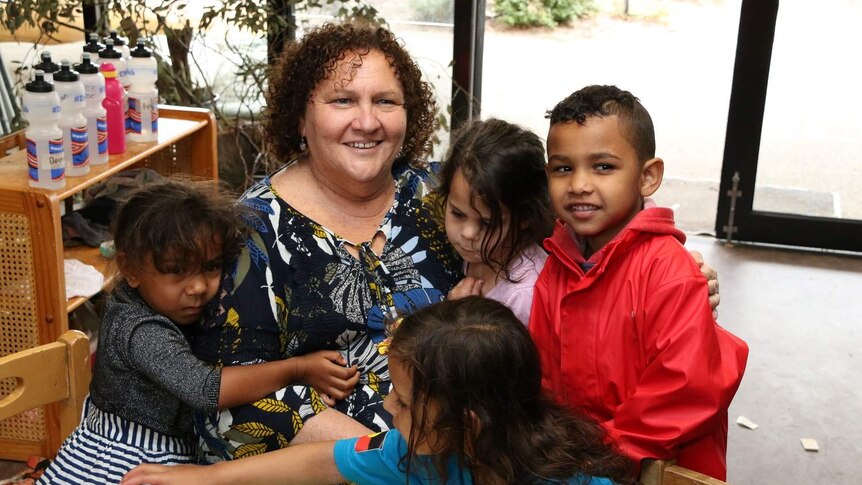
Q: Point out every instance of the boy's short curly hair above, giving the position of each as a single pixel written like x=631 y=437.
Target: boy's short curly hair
x=315 y=57
x=635 y=122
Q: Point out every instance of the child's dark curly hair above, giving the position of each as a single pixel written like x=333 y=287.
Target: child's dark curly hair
x=174 y=220
x=315 y=57
x=475 y=361
x=634 y=121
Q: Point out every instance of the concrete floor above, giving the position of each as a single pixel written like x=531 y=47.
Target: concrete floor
x=799 y=314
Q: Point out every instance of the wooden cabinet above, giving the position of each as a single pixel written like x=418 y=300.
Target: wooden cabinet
x=33 y=306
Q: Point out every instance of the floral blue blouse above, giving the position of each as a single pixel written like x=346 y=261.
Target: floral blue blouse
x=295 y=289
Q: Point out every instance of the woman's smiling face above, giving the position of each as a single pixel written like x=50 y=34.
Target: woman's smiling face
x=355 y=120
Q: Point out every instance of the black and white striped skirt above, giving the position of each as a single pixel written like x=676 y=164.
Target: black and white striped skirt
x=105 y=447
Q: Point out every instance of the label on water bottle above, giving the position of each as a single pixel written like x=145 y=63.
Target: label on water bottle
x=55 y=159
x=154 y=111
x=139 y=107
x=80 y=147
x=102 y=131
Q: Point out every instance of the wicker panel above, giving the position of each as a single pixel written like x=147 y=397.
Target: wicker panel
x=172 y=159
x=18 y=324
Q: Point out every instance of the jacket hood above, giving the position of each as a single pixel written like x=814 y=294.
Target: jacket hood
x=569 y=247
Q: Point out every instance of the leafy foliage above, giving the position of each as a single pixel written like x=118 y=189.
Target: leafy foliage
x=148 y=19
x=544 y=13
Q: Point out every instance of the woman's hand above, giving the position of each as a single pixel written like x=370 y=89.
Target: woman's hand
x=326 y=372
x=167 y=475
x=711 y=281
x=469 y=286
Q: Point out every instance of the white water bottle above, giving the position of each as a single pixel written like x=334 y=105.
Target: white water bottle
x=143 y=114
x=72 y=121
x=97 y=126
x=93 y=47
x=119 y=44
x=44 y=139
x=47 y=66
x=115 y=57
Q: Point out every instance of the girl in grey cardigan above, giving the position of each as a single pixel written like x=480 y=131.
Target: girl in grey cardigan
x=172 y=241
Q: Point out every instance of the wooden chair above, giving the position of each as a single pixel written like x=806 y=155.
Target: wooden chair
x=58 y=372
x=665 y=472
x=12 y=142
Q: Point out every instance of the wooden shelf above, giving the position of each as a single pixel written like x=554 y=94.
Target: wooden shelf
x=94 y=258
x=13 y=168
x=35 y=308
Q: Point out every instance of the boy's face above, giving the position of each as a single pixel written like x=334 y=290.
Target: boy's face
x=595 y=180
x=181 y=292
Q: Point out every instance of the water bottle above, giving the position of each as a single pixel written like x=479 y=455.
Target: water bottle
x=115 y=57
x=44 y=139
x=94 y=87
x=73 y=98
x=143 y=115
x=113 y=104
x=119 y=44
x=47 y=66
x=93 y=47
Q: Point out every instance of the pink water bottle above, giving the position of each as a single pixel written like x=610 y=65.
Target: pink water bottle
x=113 y=104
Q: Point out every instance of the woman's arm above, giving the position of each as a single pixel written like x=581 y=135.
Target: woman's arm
x=324 y=370
x=311 y=463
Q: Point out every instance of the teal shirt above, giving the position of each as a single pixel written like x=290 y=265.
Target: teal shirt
x=374 y=460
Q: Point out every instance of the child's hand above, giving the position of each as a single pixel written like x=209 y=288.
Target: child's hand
x=326 y=372
x=166 y=475
x=711 y=281
x=469 y=286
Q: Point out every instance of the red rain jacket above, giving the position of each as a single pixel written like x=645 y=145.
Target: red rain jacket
x=633 y=343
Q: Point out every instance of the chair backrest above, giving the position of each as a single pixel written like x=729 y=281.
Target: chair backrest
x=55 y=372
x=12 y=142
x=664 y=472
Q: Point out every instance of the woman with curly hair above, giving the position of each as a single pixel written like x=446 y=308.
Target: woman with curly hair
x=342 y=236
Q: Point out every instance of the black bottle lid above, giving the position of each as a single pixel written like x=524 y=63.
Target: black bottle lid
x=39 y=84
x=47 y=65
x=65 y=74
x=118 y=41
x=93 y=46
x=87 y=67
x=140 y=50
x=108 y=52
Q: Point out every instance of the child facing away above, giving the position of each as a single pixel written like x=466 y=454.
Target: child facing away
x=172 y=241
x=467 y=406
x=619 y=315
x=494 y=190
x=497 y=212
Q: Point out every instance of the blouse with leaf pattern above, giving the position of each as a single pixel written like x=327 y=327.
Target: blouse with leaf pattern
x=295 y=289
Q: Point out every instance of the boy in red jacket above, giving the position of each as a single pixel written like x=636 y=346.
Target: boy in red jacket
x=619 y=315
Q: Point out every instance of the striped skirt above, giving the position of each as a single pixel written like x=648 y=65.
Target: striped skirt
x=105 y=447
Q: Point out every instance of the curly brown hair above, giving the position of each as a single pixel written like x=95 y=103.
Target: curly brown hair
x=475 y=360
x=315 y=57
x=174 y=219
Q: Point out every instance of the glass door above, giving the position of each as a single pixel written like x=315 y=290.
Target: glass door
x=792 y=167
